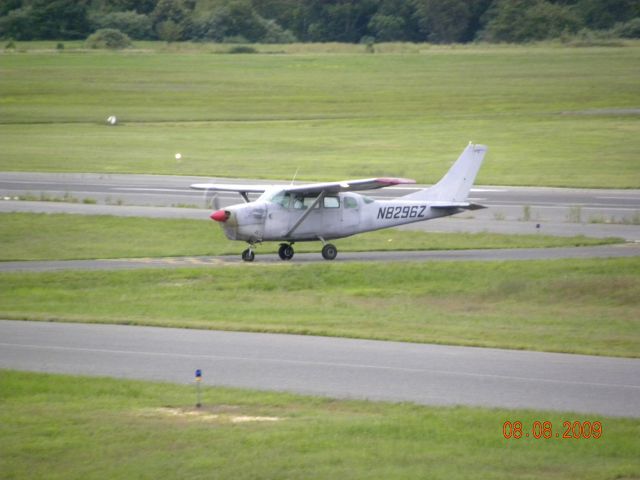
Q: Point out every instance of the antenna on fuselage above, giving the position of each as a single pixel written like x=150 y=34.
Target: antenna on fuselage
x=294 y=176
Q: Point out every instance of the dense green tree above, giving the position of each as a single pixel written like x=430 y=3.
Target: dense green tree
x=527 y=20
x=443 y=21
x=602 y=14
x=8 y=5
x=339 y=20
x=169 y=31
x=18 y=24
x=386 y=28
x=59 y=19
x=172 y=19
x=139 y=6
x=239 y=21
x=135 y=25
x=630 y=29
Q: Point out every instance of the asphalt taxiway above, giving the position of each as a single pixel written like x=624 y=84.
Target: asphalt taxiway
x=603 y=251
x=334 y=367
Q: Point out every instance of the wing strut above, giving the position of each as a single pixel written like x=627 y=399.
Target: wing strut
x=306 y=214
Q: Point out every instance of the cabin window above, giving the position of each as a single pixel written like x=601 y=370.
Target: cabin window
x=298 y=202
x=308 y=201
x=367 y=199
x=331 y=202
x=350 y=202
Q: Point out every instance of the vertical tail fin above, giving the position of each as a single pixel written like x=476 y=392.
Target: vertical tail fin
x=455 y=185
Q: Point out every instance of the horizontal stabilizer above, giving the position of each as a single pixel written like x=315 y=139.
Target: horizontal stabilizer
x=463 y=205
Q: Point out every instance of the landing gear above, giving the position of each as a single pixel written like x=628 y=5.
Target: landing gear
x=329 y=252
x=285 y=251
x=248 y=255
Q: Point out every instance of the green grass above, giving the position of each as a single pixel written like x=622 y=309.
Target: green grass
x=577 y=306
x=550 y=115
x=29 y=236
x=61 y=427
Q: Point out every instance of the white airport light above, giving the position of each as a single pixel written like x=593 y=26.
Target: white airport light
x=112 y=120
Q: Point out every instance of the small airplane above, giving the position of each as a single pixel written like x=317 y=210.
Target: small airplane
x=326 y=211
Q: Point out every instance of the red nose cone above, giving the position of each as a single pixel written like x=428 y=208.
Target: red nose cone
x=220 y=215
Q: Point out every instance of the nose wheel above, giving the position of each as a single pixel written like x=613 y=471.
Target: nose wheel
x=285 y=252
x=248 y=255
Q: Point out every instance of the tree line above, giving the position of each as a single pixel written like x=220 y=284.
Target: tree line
x=352 y=21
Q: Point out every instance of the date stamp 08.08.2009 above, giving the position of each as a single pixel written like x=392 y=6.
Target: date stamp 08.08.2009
x=538 y=429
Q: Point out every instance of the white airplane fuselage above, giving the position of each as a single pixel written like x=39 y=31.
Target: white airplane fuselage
x=334 y=216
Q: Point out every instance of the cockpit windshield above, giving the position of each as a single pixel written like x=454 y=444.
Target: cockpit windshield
x=297 y=201
x=280 y=198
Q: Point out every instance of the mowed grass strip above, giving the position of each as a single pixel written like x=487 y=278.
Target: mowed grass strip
x=550 y=115
x=32 y=236
x=62 y=427
x=577 y=306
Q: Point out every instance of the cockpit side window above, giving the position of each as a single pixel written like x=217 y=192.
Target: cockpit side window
x=350 y=202
x=308 y=201
x=298 y=201
x=331 y=202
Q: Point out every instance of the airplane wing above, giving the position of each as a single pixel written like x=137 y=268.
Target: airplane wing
x=348 y=185
x=330 y=187
x=227 y=187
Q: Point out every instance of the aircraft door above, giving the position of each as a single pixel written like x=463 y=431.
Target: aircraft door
x=278 y=216
x=331 y=216
x=350 y=212
x=305 y=206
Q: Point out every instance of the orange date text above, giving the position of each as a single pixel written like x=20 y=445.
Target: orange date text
x=546 y=430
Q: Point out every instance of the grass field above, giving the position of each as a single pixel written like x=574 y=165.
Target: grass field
x=28 y=236
x=578 y=306
x=75 y=427
x=550 y=115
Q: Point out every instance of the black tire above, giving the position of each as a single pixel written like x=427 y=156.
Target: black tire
x=288 y=252
x=285 y=252
x=248 y=255
x=329 y=252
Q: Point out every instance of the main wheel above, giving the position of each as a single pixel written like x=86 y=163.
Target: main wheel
x=248 y=255
x=329 y=252
x=285 y=252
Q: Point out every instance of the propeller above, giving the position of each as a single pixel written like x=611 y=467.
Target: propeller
x=211 y=200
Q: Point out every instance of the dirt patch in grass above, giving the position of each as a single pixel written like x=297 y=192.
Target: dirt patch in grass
x=213 y=414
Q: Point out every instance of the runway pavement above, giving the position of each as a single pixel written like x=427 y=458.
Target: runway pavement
x=334 y=367
x=512 y=210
